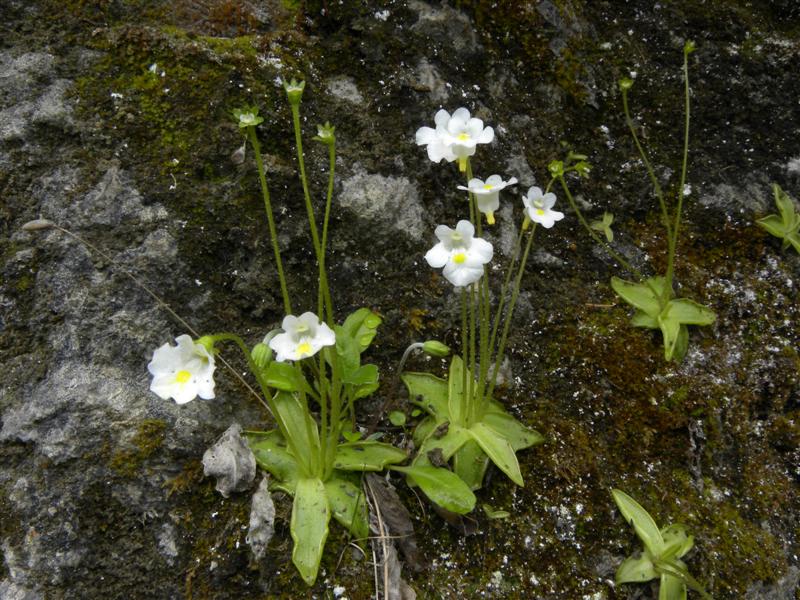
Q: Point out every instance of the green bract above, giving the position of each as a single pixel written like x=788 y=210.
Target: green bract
x=663 y=549
x=786 y=224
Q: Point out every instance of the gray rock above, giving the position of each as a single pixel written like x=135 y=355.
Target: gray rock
x=785 y=588
x=262 y=519
x=231 y=461
x=344 y=88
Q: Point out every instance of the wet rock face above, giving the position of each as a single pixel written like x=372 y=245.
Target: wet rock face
x=102 y=487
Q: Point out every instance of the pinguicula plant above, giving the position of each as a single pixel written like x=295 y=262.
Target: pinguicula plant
x=653 y=298
x=786 y=224
x=465 y=426
x=310 y=375
x=661 y=558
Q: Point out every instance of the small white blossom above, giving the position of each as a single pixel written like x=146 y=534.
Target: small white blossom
x=487 y=193
x=538 y=207
x=302 y=337
x=460 y=253
x=182 y=372
x=455 y=137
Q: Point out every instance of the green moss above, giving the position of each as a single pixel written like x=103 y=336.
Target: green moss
x=148 y=438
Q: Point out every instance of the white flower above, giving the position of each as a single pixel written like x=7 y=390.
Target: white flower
x=183 y=371
x=302 y=337
x=538 y=207
x=455 y=137
x=488 y=193
x=461 y=254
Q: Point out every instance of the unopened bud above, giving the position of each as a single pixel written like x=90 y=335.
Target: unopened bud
x=435 y=348
x=262 y=355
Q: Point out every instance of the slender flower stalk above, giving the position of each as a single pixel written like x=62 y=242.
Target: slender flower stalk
x=273 y=232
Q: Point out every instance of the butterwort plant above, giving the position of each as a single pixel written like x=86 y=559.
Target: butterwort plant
x=310 y=375
x=652 y=297
x=465 y=426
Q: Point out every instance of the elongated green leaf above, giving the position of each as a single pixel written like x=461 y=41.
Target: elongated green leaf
x=785 y=207
x=310 y=516
x=367 y=456
x=676 y=542
x=774 y=225
x=682 y=345
x=517 y=434
x=670 y=328
x=428 y=392
x=362 y=326
x=793 y=239
x=301 y=428
x=690 y=312
x=640 y=519
x=348 y=504
x=363 y=375
x=671 y=588
x=639 y=295
x=286 y=377
x=642 y=319
x=455 y=389
x=273 y=456
x=498 y=449
x=348 y=352
x=470 y=463
x=424 y=429
x=443 y=487
x=448 y=443
x=677 y=569
x=636 y=569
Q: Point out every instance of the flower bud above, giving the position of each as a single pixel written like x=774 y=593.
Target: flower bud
x=556 y=168
x=435 y=348
x=207 y=342
x=625 y=84
x=247 y=117
x=689 y=47
x=294 y=90
x=262 y=355
x=325 y=134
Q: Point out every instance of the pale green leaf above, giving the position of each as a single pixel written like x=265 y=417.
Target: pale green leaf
x=774 y=225
x=272 y=455
x=348 y=352
x=362 y=326
x=455 y=389
x=636 y=569
x=448 y=442
x=470 y=463
x=397 y=418
x=498 y=449
x=309 y=527
x=493 y=513
x=794 y=239
x=364 y=374
x=443 y=487
x=677 y=569
x=671 y=588
x=301 y=427
x=366 y=456
x=690 y=312
x=640 y=519
x=638 y=295
x=427 y=391
x=286 y=377
x=424 y=429
x=785 y=206
x=348 y=504
x=670 y=328
x=517 y=434
x=676 y=542
x=642 y=319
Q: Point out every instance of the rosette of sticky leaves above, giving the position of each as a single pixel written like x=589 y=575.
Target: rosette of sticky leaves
x=463 y=433
x=313 y=463
x=657 y=309
x=661 y=558
x=786 y=224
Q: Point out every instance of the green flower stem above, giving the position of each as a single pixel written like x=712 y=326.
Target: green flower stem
x=514 y=295
x=464 y=350
x=335 y=424
x=504 y=289
x=594 y=235
x=656 y=186
x=312 y=223
x=472 y=398
x=323 y=415
x=324 y=291
x=473 y=203
x=673 y=240
x=273 y=233
x=305 y=461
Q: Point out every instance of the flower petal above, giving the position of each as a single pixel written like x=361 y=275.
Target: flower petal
x=442 y=117
x=425 y=135
x=466 y=229
x=487 y=135
x=437 y=256
x=481 y=250
x=462 y=114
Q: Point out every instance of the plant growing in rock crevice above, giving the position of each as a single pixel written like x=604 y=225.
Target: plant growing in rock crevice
x=653 y=298
x=786 y=224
